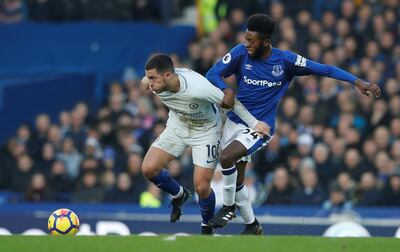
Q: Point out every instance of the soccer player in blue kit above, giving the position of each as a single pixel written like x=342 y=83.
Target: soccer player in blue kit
x=263 y=74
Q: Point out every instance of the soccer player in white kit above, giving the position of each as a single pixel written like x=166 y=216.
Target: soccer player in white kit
x=194 y=121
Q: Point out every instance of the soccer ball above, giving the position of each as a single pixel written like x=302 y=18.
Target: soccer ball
x=63 y=222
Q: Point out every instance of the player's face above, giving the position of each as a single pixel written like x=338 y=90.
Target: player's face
x=255 y=46
x=157 y=81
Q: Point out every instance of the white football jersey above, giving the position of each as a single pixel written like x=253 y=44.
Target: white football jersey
x=192 y=108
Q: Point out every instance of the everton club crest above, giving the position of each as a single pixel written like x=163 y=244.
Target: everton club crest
x=277 y=70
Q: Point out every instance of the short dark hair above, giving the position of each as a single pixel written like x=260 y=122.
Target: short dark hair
x=161 y=62
x=262 y=24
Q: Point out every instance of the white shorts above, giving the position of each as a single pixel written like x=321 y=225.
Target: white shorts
x=246 y=136
x=205 y=146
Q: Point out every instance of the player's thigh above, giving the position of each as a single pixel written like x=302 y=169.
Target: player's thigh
x=231 y=132
x=251 y=140
x=165 y=148
x=245 y=136
x=205 y=150
x=202 y=177
x=170 y=142
x=155 y=160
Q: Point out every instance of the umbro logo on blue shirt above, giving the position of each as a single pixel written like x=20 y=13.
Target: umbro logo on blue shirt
x=248 y=66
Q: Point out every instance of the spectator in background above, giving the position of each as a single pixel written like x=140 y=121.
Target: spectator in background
x=78 y=129
x=337 y=201
x=395 y=129
x=108 y=158
x=325 y=169
x=395 y=152
x=266 y=159
x=310 y=192
x=92 y=148
x=305 y=145
x=369 y=150
x=59 y=182
x=54 y=136
x=391 y=193
x=9 y=159
x=39 y=136
x=281 y=189
x=70 y=156
x=353 y=164
x=134 y=165
x=107 y=181
x=38 y=190
x=289 y=110
x=21 y=176
x=64 y=118
x=47 y=158
x=88 y=189
x=122 y=192
x=24 y=137
x=151 y=198
x=385 y=166
x=346 y=184
x=367 y=194
x=127 y=143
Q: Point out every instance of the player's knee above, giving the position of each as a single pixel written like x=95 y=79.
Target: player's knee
x=203 y=189
x=226 y=159
x=149 y=170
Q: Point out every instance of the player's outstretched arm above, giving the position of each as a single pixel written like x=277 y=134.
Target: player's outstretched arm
x=371 y=90
x=298 y=65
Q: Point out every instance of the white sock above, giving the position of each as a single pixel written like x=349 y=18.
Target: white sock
x=243 y=203
x=179 y=194
x=229 y=178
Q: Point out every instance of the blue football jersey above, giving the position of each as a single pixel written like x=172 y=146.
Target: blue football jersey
x=263 y=82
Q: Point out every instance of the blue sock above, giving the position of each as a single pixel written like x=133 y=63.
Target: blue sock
x=207 y=207
x=165 y=182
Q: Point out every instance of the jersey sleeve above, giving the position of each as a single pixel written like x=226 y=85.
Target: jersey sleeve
x=225 y=67
x=299 y=65
x=214 y=95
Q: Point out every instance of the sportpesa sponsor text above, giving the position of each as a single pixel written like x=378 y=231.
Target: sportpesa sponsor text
x=261 y=82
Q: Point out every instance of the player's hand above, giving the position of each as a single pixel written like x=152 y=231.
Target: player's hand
x=262 y=129
x=371 y=90
x=145 y=83
x=229 y=99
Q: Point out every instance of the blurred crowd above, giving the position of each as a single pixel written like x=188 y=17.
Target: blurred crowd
x=333 y=147
x=13 y=11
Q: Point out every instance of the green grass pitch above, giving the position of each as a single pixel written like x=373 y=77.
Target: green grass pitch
x=166 y=243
